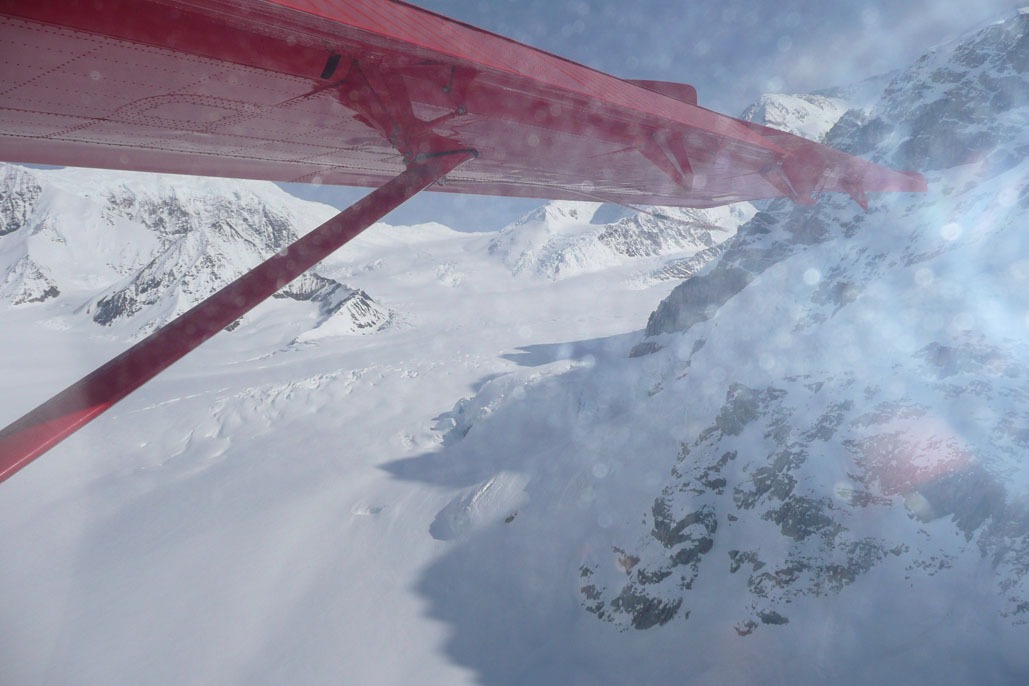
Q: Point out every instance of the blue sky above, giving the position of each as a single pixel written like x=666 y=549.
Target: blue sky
x=732 y=51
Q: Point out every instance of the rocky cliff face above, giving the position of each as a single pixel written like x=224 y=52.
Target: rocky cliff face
x=822 y=433
x=855 y=381
x=963 y=103
x=21 y=192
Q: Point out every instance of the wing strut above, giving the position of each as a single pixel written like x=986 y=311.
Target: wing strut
x=57 y=418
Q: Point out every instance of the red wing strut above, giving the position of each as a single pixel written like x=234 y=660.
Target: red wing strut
x=374 y=93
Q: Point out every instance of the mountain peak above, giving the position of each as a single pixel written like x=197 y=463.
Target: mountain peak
x=805 y=115
x=566 y=239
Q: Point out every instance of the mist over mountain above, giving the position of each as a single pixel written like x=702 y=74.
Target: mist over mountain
x=474 y=458
x=825 y=430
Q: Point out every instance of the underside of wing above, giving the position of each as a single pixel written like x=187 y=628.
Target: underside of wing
x=352 y=92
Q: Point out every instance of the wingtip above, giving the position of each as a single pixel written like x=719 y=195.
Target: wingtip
x=895 y=181
x=857 y=193
x=918 y=182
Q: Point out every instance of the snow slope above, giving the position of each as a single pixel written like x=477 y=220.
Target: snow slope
x=242 y=494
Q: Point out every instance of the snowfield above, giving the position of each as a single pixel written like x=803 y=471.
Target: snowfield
x=249 y=493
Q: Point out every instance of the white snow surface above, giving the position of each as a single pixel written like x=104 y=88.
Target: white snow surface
x=810 y=468
x=805 y=115
x=239 y=518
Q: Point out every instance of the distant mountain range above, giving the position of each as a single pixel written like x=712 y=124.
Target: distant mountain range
x=141 y=249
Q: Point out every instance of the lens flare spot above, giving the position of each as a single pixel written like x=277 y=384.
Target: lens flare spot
x=950 y=231
x=910 y=453
x=919 y=506
x=962 y=322
x=1008 y=196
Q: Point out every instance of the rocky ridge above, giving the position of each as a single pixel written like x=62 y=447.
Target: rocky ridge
x=165 y=243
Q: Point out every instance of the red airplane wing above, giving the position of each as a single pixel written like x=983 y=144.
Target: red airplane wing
x=356 y=92
x=349 y=92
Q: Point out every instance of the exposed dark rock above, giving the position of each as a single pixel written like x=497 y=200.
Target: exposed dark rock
x=772 y=617
x=18 y=200
x=646 y=612
x=696 y=300
x=671 y=532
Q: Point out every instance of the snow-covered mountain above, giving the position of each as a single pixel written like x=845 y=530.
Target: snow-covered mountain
x=808 y=116
x=809 y=466
x=830 y=418
x=813 y=115
x=565 y=239
x=143 y=248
